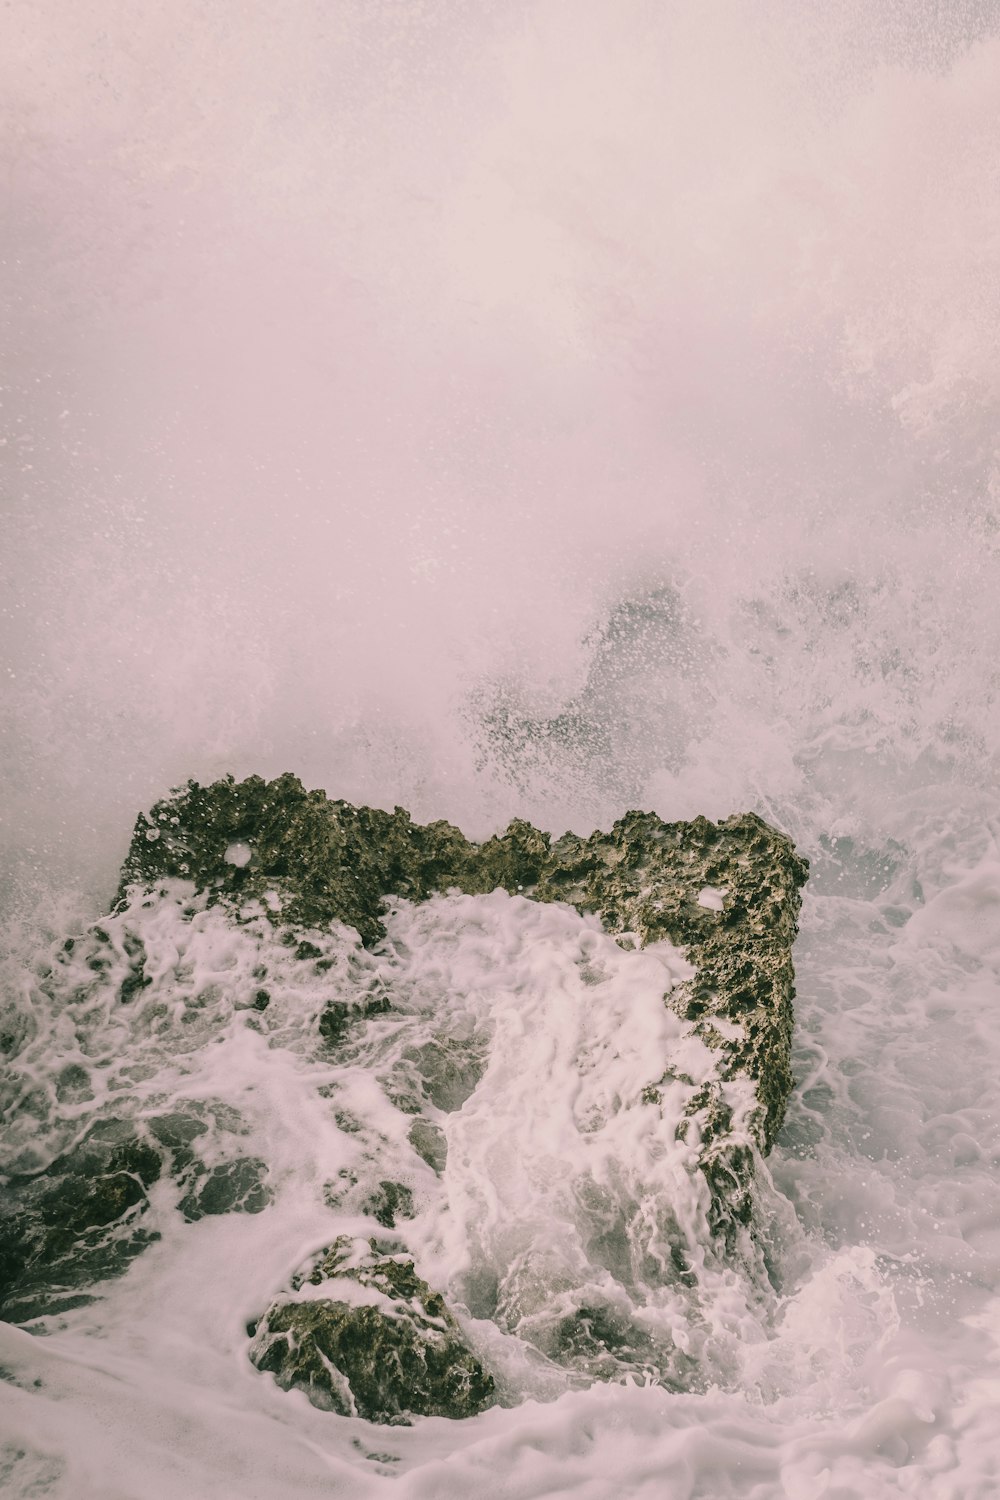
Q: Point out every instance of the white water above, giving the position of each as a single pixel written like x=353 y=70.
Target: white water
x=542 y=410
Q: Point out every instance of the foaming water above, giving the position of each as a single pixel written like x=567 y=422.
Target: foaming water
x=542 y=411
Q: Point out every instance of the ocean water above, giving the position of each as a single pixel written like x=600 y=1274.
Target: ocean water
x=532 y=410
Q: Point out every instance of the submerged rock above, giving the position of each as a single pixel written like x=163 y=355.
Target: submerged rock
x=77 y=1223
x=85 y=1217
x=362 y=1335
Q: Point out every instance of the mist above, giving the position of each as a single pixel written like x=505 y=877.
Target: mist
x=537 y=408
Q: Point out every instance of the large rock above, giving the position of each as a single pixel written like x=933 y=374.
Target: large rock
x=726 y=893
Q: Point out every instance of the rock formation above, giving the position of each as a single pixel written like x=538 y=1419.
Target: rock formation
x=357 y=1328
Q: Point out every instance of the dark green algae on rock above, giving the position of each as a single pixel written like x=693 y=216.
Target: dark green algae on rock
x=312 y=860
x=361 y=1334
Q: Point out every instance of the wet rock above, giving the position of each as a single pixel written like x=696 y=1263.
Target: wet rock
x=325 y=860
x=441 y=1073
x=73 y=1085
x=448 y=1071
x=428 y=1141
x=727 y=894
x=371 y=1339
x=607 y=1344
x=177 y=1131
x=85 y=1217
x=77 y=1223
x=388 y=1202
x=338 y=1015
x=136 y=979
x=238 y=1186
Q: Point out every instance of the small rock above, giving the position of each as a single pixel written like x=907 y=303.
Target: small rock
x=382 y=1345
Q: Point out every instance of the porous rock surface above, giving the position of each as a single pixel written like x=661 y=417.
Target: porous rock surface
x=313 y=860
x=362 y=1335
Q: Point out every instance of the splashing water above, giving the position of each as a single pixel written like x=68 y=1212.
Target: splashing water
x=539 y=410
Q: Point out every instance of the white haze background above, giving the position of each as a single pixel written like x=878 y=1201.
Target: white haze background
x=546 y=409
x=362 y=354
